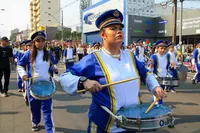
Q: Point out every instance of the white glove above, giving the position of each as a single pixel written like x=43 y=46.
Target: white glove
x=15 y=59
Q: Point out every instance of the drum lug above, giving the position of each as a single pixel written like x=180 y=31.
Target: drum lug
x=172 y=119
x=170 y=114
x=138 y=121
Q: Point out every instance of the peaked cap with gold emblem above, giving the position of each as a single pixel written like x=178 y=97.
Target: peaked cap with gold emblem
x=38 y=35
x=109 y=17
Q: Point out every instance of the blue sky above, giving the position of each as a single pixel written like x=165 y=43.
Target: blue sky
x=17 y=14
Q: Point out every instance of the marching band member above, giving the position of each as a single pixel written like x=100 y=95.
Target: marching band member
x=15 y=51
x=140 y=51
x=89 y=49
x=96 y=46
x=173 y=72
x=106 y=66
x=28 y=44
x=69 y=57
x=133 y=48
x=38 y=60
x=196 y=62
x=160 y=63
x=80 y=52
x=19 y=55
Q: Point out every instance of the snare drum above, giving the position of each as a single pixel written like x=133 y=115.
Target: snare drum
x=70 y=60
x=135 y=119
x=42 y=90
x=169 y=81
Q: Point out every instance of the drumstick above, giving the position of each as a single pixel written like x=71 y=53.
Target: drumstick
x=150 y=107
x=33 y=77
x=114 y=83
x=147 y=57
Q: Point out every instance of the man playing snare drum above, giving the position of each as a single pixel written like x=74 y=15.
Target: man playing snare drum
x=106 y=66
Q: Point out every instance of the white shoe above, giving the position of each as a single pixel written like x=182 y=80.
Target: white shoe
x=19 y=90
x=173 y=91
x=3 y=95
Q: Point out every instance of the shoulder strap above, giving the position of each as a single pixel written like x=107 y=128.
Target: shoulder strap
x=155 y=61
x=168 y=60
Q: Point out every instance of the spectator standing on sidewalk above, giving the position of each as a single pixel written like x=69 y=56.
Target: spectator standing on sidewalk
x=57 y=51
x=6 y=57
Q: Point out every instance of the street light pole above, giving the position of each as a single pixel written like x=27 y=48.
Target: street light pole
x=180 y=25
x=62 y=41
x=174 y=23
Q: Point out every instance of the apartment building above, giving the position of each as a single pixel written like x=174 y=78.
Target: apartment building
x=44 y=13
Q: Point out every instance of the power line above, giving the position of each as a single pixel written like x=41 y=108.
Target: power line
x=66 y=6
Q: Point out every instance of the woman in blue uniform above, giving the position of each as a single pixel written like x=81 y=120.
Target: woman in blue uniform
x=19 y=55
x=39 y=62
x=110 y=64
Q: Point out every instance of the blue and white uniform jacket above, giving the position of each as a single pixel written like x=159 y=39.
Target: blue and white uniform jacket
x=161 y=64
x=20 y=54
x=139 y=52
x=105 y=69
x=15 y=51
x=38 y=68
x=68 y=54
x=196 y=58
x=173 y=57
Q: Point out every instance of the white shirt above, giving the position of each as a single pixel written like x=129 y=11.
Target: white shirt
x=173 y=57
x=80 y=50
x=41 y=68
x=141 y=54
x=162 y=65
x=69 y=53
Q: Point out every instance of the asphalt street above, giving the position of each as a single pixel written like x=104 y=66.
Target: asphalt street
x=70 y=112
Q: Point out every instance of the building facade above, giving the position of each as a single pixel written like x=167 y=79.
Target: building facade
x=14 y=31
x=44 y=13
x=142 y=19
x=23 y=35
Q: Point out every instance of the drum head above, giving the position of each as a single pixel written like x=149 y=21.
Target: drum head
x=42 y=88
x=138 y=111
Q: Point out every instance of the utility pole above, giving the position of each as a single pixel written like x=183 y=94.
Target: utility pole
x=83 y=5
x=180 y=25
x=62 y=41
x=174 y=21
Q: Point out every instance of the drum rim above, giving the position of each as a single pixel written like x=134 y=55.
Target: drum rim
x=150 y=118
x=171 y=78
x=41 y=97
x=154 y=117
x=36 y=96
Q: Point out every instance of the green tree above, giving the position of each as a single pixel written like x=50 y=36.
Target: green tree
x=79 y=36
x=67 y=34
x=74 y=35
x=13 y=37
x=58 y=35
